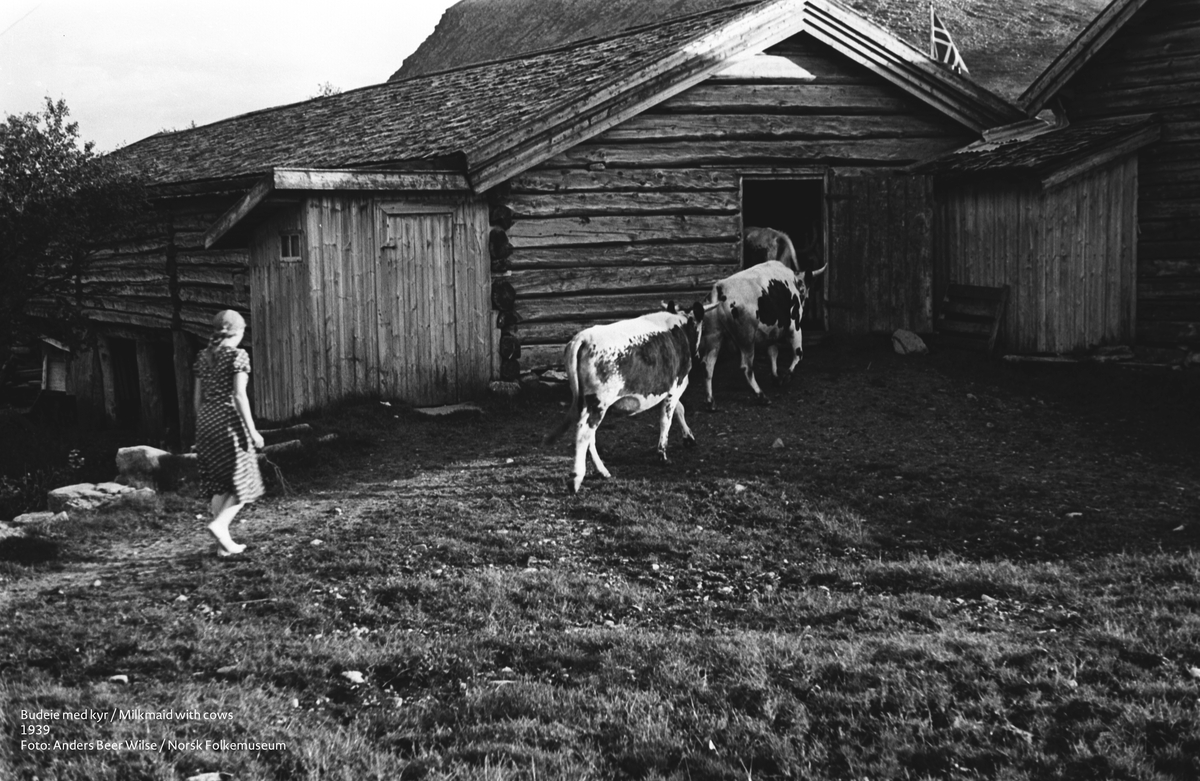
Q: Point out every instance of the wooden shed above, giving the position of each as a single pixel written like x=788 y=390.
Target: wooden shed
x=1138 y=57
x=415 y=239
x=1051 y=213
x=365 y=284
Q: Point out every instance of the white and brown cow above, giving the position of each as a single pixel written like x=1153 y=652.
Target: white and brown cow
x=762 y=304
x=629 y=366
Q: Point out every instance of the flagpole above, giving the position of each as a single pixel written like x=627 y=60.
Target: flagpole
x=932 y=46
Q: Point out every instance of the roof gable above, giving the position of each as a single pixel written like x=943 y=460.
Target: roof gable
x=1079 y=53
x=494 y=120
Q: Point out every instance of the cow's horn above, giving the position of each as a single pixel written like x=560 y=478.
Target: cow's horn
x=712 y=306
x=820 y=271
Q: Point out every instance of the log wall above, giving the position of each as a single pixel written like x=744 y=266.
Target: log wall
x=390 y=298
x=651 y=210
x=160 y=288
x=164 y=278
x=1068 y=255
x=1153 y=65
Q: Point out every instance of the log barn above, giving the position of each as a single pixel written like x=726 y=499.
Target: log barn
x=1139 y=57
x=417 y=238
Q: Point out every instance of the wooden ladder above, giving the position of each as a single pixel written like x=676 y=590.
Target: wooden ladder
x=970 y=316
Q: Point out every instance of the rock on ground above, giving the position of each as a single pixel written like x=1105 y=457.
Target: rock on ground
x=42 y=517
x=113 y=488
x=907 y=343
x=86 y=496
x=139 y=466
x=81 y=496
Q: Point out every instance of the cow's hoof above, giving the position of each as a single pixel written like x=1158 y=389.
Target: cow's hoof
x=762 y=400
x=662 y=455
x=689 y=441
x=710 y=407
x=575 y=483
x=783 y=379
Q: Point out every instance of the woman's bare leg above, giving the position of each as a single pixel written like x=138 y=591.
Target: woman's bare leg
x=224 y=507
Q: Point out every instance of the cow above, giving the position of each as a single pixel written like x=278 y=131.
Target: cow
x=763 y=303
x=630 y=366
x=760 y=245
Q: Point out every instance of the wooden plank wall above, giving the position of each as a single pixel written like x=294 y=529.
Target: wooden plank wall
x=651 y=209
x=344 y=322
x=281 y=320
x=1068 y=255
x=418 y=360
x=1153 y=65
x=881 y=254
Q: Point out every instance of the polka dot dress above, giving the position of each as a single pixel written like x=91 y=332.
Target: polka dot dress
x=228 y=464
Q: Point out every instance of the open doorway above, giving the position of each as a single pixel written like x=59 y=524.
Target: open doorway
x=796 y=207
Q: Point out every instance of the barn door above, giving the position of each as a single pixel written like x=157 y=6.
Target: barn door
x=416 y=305
x=880 y=274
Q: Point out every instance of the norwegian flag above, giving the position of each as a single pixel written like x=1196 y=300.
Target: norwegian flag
x=941 y=45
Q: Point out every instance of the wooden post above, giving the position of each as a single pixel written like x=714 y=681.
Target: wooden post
x=151 y=418
x=109 y=388
x=184 y=357
x=86 y=385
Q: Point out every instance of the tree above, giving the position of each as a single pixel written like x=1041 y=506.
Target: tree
x=59 y=203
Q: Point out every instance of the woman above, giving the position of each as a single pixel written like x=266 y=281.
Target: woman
x=226 y=437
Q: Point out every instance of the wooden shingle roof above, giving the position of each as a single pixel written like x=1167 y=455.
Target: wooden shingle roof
x=1047 y=155
x=493 y=120
x=421 y=119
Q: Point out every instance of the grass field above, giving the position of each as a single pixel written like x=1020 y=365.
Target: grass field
x=950 y=568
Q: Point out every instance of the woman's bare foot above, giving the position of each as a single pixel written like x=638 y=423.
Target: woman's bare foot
x=225 y=544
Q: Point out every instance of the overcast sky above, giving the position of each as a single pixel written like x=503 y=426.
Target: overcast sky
x=130 y=68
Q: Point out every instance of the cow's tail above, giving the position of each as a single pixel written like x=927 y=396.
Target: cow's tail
x=571 y=416
x=788 y=255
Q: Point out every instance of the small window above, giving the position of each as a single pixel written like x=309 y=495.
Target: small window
x=289 y=246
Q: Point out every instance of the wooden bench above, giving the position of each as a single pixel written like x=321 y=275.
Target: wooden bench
x=970 y=317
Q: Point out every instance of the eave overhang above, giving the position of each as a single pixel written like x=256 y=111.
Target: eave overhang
x=286 y=183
